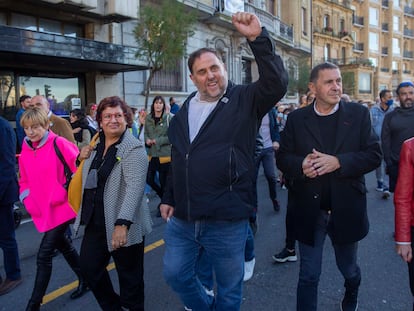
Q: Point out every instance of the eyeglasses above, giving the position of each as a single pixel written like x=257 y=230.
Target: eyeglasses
x=117 y=116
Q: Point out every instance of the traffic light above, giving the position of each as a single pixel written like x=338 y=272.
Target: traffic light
x=48 y=92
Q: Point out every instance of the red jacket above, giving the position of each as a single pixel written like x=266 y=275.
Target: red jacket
x=404 y=193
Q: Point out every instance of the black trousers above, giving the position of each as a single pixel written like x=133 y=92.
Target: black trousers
x=155 y=166
x=129 y=263
x=53 y=239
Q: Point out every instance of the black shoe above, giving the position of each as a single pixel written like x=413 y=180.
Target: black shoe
x=285 y=255
x=276 y=205
x=350 y=301
x=80 y=291
x=8 y=285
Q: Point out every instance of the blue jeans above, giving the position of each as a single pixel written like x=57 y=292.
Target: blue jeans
x=311 y=264
x=224 y=243
x=204 y=269
x=8 y=242
x=267 y=158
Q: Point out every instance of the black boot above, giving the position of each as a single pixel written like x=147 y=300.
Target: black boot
x=350 y=300
x=72 y=258
x=82 y=289
x=33 y=306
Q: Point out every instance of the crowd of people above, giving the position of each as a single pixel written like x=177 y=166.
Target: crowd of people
x=202 y=160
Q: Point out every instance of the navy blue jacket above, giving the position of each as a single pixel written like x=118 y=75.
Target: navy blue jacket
x=8 y=177
x=212 y=177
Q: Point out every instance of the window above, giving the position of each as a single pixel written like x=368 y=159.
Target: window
x=271 y=7
x=397 y=4
x=374 y=61
x=342 y=25
x=396 y=50
x=50 y=26
x=343 y=55
x=373 y=42
x=304 y=22
x=58 y=91
x=326 y=21
x=246 y=71
x=169 y=79
x=394 y=65
x=327 y=52
x=396 y=23
x=373 y=17
x=23 y=21
x=44 y=25
x=364 y=83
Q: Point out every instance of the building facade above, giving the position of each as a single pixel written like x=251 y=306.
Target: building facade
x=371 y=40
x=79 y=51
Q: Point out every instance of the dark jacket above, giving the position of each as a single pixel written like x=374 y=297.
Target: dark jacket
x=8 y=179
x=397 y=127
x=358 y=151
x=212 y=177
x=274 y=126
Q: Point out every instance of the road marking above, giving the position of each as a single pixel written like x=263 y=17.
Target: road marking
x=64 y=289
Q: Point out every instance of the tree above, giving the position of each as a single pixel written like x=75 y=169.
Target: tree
x=161 y=34
x=299 y=83
x=348 y=83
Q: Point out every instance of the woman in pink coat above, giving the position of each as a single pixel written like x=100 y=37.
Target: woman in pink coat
x=42 y=191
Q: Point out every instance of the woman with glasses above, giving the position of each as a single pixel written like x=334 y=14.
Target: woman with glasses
x=113 y=209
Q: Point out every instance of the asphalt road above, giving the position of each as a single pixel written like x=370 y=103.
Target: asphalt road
x=273 y=286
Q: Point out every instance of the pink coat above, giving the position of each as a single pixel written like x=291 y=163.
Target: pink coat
x=41 y=181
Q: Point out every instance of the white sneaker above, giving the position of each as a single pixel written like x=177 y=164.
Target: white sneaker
x=248 y=269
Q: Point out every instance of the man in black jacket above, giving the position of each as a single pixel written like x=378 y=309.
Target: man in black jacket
x=325 y=150
x=209 y=195
x=397 y=127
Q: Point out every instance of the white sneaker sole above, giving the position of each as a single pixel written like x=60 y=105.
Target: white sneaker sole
x=282 y=260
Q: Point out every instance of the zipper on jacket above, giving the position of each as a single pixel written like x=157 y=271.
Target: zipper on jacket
x=230 y=181
x=187 y=186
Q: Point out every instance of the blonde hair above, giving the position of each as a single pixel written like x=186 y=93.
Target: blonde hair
x=35 y=116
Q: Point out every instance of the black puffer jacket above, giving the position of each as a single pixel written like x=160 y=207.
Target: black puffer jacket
x=212 y=177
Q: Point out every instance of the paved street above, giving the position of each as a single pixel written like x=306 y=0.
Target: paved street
x=384 y=285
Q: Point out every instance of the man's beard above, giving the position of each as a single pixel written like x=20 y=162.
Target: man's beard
x=407 y=104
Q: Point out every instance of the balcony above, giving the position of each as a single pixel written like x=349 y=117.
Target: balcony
x=407 y=72
x=272 y=23
x=408 y=54
x=84 y=4
x=408 y=10
x=350 y=61
x=345 y=3
x=384 y=69
x=358 y=20
x=359 y=47
x=384 y=51
x=408 y=33
x=29 y=49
